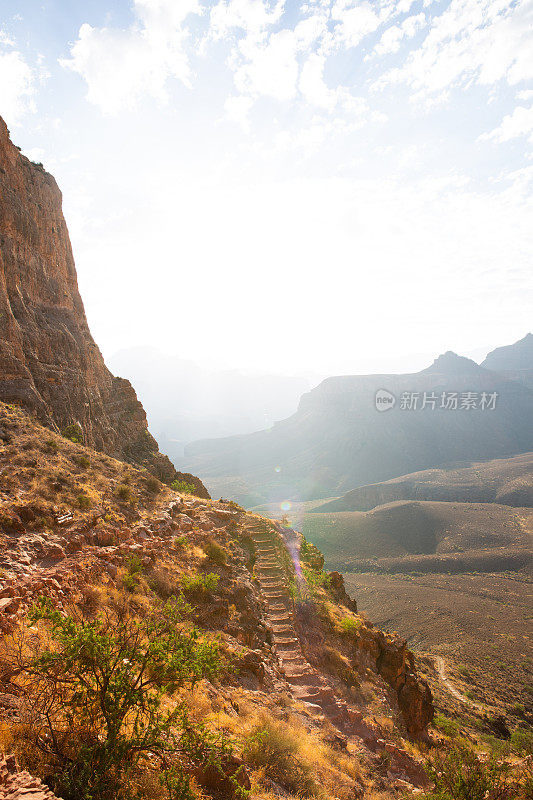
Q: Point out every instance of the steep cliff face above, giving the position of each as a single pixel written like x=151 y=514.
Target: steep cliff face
x=49 y=361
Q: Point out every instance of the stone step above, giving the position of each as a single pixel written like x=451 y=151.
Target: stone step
x=285 y=640
x=268 y=567
x=304 y=678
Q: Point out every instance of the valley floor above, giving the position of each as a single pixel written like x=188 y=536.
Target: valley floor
x=480 y=624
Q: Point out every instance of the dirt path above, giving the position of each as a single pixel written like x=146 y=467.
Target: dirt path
x=441 y=671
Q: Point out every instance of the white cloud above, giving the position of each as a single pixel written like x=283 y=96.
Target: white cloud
x=120 y=66
x=248 y=15
x=472 y=41
x=355 y=21
x=393 y=36
x=269 y=69
x=238 y=108
x=312 y=84
x=6 y=39
x=17 y=83
x=519 y=123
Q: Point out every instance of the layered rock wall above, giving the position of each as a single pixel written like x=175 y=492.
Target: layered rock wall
x=49 y=361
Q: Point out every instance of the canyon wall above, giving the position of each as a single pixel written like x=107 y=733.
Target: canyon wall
x=49 y=361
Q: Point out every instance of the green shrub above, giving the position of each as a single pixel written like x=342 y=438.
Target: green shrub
x=179 y=541
x=96 y=693
x=200 y=583
x=522 y=742
x=124 y=493
x=215 y=552
x=518 y=710
x=73 y=432
x=315 y=578
x=134 y=569
x=183 y=487
x=448 y=726
x=458 y=774
x=81 y=461
x=51 y=446
x=350 y=626
x=83 y=502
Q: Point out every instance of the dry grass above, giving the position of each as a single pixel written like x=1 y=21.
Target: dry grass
x=51 y=474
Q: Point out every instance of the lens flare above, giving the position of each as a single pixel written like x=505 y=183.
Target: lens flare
x=286 y=505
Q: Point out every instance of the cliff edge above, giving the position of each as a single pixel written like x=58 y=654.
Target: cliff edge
x=49 y=362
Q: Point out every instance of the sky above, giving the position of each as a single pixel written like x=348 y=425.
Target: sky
x=322 y=187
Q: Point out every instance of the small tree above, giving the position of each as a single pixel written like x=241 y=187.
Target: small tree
x=96 y=693
x=459 y=774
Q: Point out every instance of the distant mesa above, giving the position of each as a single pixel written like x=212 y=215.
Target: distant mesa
x=450 y=363
x=337 y=440
x=515 y=356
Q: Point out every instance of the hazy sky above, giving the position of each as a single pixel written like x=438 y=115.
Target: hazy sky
x=318 y=186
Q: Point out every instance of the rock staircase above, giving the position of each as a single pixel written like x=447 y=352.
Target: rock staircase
x=307 y=685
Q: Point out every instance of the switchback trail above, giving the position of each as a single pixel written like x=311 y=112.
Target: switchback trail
x=441 y=671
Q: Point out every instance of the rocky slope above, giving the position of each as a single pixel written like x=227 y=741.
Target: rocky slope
x=49 y=362
x=275 y=610
x=338 y=439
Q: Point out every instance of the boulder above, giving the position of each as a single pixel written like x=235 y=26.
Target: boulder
x=416 y=704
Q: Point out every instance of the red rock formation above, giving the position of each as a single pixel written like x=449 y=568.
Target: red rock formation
x=15 y=785
x=49 y=361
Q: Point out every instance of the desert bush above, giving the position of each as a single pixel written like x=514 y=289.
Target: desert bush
x=152 y=485
x=90 y=595
x=448 y=726
x=200 y=583
x=350 y=626
x=124 y=493
x=81 y=461
x=83 y=502
x=73 y=432
x=277 y=747
x=161 y=583
x=522 y=742
x=51 y=446
x=134 y=569
x=96 y=694
x=215 y=552
x=339 y=664
x=183 y=487
x=459 y=774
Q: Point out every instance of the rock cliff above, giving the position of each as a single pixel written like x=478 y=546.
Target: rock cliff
x=49 y=361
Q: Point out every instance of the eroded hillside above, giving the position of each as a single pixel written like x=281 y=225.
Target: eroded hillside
x=89 y=532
